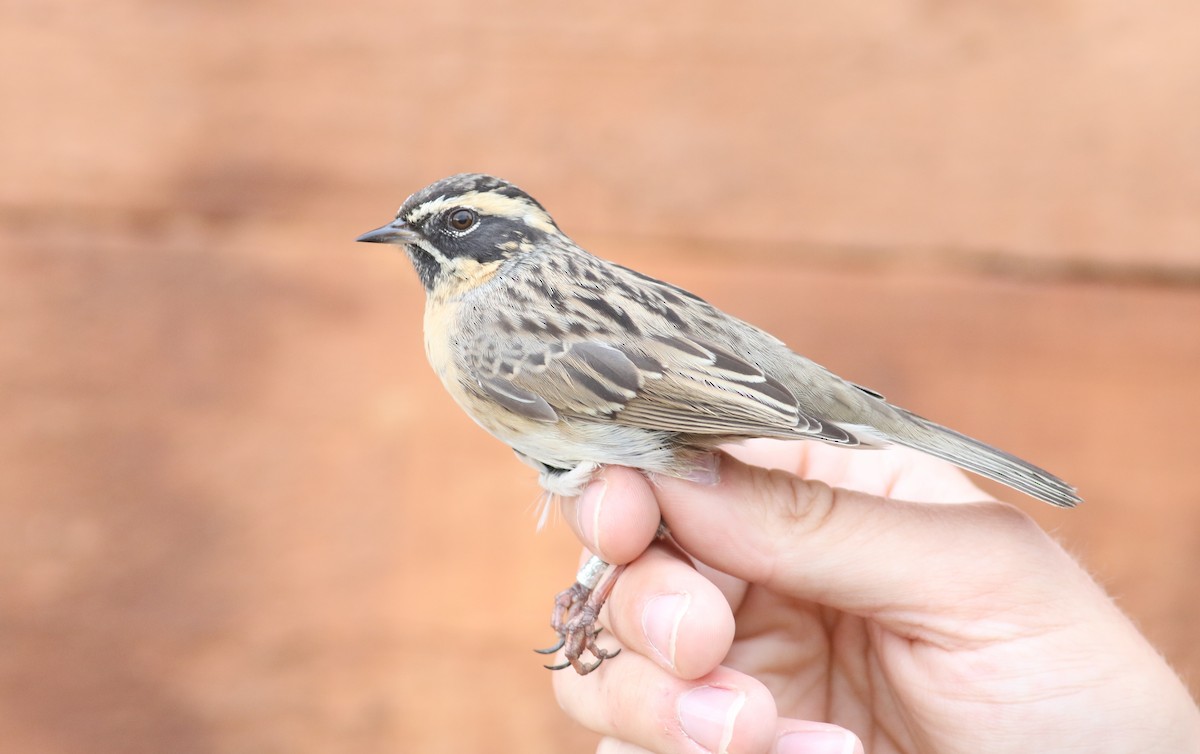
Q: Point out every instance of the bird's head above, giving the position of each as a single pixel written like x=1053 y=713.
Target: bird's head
x=463 y=223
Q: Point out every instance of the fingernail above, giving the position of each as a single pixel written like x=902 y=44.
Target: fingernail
x=660 y=623
x=824 y=741
x=707 y=715
x=588 y=512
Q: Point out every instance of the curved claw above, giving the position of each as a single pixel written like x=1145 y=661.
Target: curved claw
x=551 y=650
x=584 y=669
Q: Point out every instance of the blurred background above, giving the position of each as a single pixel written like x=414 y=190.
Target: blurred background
x=239 y=514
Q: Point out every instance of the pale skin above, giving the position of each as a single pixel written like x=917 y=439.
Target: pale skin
x=829 y=614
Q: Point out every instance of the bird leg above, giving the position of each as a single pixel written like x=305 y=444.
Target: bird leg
x=575 y=612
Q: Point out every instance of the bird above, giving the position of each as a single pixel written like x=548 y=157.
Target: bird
x=578 y=363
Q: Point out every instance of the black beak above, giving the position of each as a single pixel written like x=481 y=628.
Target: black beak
x=396 y=233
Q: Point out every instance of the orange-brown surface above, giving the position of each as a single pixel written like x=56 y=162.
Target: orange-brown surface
x=238 y=513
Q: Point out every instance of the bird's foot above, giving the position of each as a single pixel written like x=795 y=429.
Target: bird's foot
x=574 y=618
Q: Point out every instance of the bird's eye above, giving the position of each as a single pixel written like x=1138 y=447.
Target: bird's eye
x=461 y=220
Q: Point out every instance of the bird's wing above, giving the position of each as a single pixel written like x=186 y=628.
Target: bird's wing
x=634 y=367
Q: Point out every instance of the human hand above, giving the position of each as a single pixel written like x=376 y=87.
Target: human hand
x=817 y=608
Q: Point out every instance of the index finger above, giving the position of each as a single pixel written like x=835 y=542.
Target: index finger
x=616 y=516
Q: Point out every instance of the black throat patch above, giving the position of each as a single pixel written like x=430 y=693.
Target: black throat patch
x=426 y=266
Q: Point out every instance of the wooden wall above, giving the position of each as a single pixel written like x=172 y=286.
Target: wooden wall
x=240 y=515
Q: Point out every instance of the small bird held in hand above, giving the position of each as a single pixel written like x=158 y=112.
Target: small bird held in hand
x=577 y=363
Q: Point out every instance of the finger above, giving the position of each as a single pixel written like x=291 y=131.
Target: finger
x=794 y=737
x=894 y=472
x=634 y=699
x=616 y=516
x=613 y=746
x=663 y=609
x=857 y=552
x=804 y=737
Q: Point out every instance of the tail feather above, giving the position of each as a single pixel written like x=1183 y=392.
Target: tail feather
x=981 y=458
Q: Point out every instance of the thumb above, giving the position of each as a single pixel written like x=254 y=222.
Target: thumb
x=861 y=553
